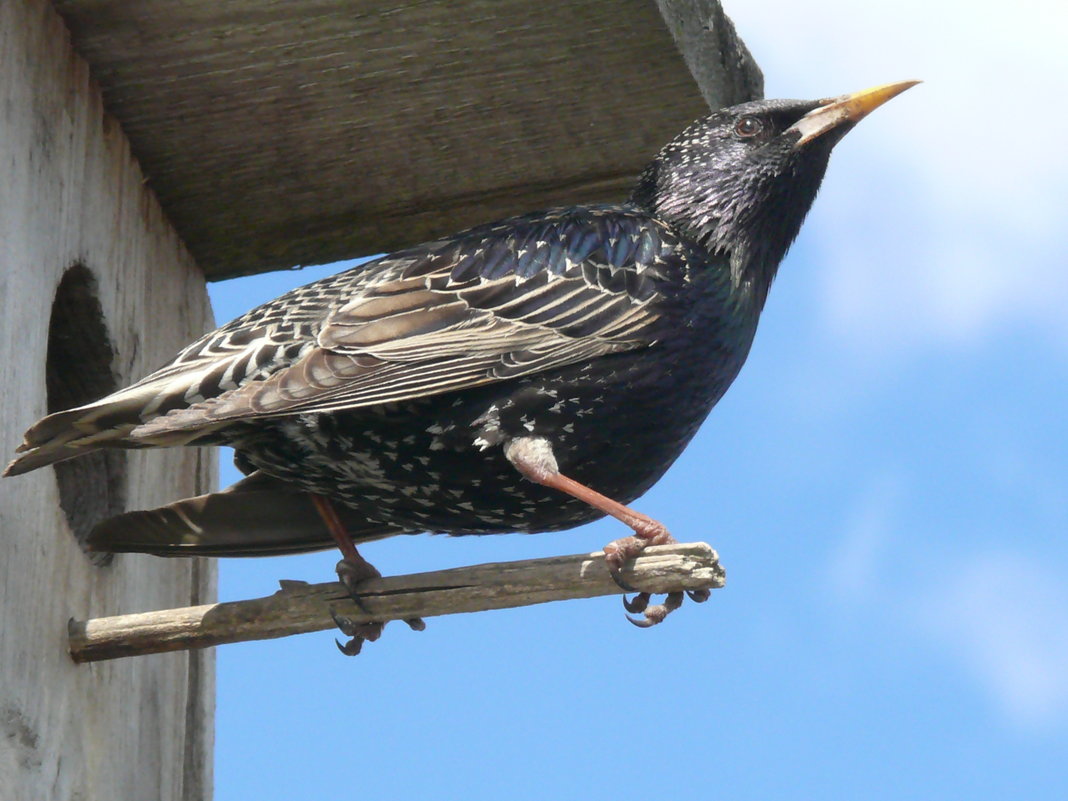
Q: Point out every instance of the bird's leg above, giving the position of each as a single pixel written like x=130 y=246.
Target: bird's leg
x=352 y=570
x=533 y=458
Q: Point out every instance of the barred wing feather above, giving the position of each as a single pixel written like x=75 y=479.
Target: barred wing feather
x=489 y=304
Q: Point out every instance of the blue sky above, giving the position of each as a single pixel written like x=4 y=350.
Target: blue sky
x=886 y=483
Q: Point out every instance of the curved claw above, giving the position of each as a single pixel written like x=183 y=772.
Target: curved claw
x=341 y=622
x=642 y=623
x=617 y=577
x=699 y=596
x=369 y=631
x=639 y=603
x=416 y=623
x=352 y=647
x=616 y=554
x=654 y=615
x=345 y=624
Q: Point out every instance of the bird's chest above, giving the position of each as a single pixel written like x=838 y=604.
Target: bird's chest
x=615 y=424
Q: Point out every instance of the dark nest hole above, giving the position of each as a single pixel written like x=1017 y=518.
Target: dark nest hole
x=79 y=370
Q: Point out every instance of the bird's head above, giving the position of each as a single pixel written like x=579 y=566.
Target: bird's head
x=741 y=180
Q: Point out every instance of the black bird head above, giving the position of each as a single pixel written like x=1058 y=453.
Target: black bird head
x=741 y=180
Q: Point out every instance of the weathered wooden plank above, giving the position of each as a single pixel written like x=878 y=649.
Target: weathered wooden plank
x=720 y=62
x=71 y=194
x=279 y=134
x=299 y=608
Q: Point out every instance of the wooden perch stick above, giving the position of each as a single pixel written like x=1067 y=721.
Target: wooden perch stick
x=298 y=607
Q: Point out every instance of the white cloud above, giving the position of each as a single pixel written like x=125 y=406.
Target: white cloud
x=942 y=219
x=1005 y=617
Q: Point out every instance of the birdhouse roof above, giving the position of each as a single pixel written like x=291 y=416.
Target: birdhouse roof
x=279 y=134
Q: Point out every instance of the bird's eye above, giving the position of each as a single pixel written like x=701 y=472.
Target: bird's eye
x=748 y=126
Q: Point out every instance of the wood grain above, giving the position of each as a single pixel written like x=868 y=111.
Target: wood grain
x=71 y=194
x=279 y=134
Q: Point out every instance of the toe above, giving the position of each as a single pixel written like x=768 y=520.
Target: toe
x=346 y=625
x=350 y=628
x=639 y=603
x=654 y=615
x=352 y=575
x=352 y=647
x=617 y=554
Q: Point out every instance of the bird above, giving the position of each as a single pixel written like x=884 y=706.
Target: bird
x=526 y=375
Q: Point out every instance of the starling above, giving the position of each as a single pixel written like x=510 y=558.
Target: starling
x=526 y=375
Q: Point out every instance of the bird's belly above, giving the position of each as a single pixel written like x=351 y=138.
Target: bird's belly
x=437 y=464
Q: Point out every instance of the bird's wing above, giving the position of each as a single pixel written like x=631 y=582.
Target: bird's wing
x=493 y=303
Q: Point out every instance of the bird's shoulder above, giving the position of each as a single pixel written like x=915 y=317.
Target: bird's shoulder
x=615 y=248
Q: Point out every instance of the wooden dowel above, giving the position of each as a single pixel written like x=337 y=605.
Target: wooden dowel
x=298 y=607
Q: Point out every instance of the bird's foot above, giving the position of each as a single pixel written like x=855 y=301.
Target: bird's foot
x=621 y=551
x=358 y=633
x=618 y=552
x=352 y=574
x=533 y=457
x=655 y=614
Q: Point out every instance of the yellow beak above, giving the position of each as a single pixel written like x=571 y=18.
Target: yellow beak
x=848 y=108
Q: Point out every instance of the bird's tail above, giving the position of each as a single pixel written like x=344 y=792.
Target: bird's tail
x=257 y=516
x=105 y=423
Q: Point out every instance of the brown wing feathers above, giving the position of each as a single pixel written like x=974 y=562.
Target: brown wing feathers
x=454 y=314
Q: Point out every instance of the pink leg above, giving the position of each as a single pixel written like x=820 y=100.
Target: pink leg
x=533 y=458
x=352 y=570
